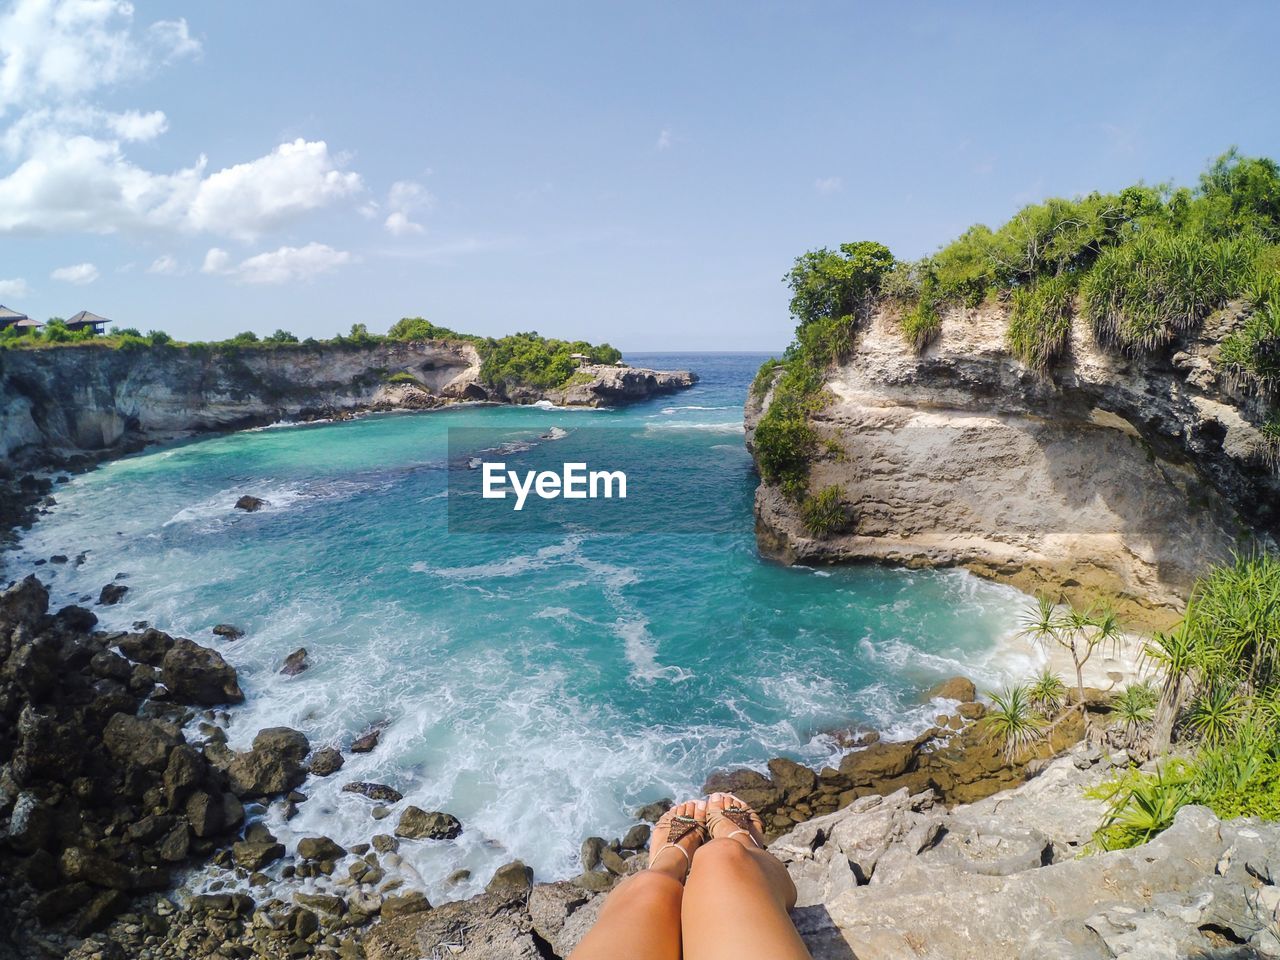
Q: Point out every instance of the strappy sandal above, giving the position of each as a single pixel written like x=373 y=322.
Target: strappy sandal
x=739 y=815
x=680 y=827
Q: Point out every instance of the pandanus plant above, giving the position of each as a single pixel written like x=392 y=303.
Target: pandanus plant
x=1080 y=632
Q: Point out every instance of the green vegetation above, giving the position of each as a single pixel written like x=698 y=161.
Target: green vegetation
x=402 y=377
x=522 y=359
x=1141 y=266
x=829 y=291
x=1221 y=694
x=1013 y=720
x=1079 y=632
x=826 y=512
x=1048 y=692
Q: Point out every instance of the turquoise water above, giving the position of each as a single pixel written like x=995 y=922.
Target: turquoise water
x=538 y=687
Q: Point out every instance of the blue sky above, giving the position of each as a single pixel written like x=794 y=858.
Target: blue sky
x=637 y=173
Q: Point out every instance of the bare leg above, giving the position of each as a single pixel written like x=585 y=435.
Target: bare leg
x=737 y=896
x=641 y=918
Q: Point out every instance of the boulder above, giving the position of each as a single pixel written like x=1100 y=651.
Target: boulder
x=250 y=504
x=77 y=863
x=325 y=761
x=753 y=788
x=319 y=848
x=198 y=675
x=273 y=765
x=295 y=663
x=147 y=647
x=112 y=594
x=400 y=905
x=366 y=741
x=956 y=688
x=25 y=603
x=880 y=761
x=379 y=792
x=652 y=812
x=227 y=631
x=637 y=838
x=795 y=780
x=511 y=881
x=184 y=771
x=256 y=854
x=418 y=824
x=138 y=742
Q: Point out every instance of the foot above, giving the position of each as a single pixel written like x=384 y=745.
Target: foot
x=730 y=818
x=681 y=831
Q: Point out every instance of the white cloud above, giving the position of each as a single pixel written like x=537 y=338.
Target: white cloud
x=80 y=274
x=69 y=169
x=165 y=265
x=285 y=265
x=64 y=49
x=87 y=184
x=828 y=184
x=664 y=140
x=14 y=288
x=403 y=199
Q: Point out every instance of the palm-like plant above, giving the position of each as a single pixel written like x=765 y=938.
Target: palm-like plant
x=1216 y=713
x=1048 y=692
x=1142 y=805
x=1079 y=632
x=1176 y=655
x=1135 y=708
x=1012 y=721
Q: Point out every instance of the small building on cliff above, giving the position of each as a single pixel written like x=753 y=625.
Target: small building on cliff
x=86 y=320
x=11 y=318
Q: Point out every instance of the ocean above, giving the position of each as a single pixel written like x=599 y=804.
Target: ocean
x=540 y=686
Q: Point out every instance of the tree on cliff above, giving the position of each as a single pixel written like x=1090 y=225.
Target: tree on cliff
x=1079 y=632
x=827 y=283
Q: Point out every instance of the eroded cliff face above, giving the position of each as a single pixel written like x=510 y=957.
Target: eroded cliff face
x=1115 y=475
x=91 y=398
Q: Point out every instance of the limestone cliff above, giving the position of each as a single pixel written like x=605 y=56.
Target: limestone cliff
x=93 y=399
x=1116 y=474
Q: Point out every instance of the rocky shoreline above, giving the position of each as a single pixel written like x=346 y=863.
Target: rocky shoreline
x=116 y=783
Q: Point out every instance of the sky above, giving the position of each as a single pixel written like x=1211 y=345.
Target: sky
x=642 y=174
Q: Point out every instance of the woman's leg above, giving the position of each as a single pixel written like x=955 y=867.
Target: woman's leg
x=737 y=896
x=641 y=918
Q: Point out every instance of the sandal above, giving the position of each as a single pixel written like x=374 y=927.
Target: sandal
x=678 y=828
x=739 y=816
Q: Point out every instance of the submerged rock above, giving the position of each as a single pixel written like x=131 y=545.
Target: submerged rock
x=374 y=791
x=227 y=631
x=250 y=504
x=112 y=594
x=366 y=741
x=295 y=663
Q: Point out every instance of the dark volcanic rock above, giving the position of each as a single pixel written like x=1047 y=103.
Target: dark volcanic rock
x=250 y=504
x=112 y=594
x=374 y=791
x=137 y=742
x=198 y=675
x=148 y=647
x=418 y=824
x=319 y=848
x=227 y=631
x=256 y=854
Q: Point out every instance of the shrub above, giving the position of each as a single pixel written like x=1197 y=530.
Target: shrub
x=921 y=324
x=1012 y=721
x=282 y=336
x=1040 y=321
x=764 y=378
x=1135 y=708
x=401 y=377
x=826 y=512
x=158 y=338
x=1047 y=692
x=1138 y=296
x=826 y=283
